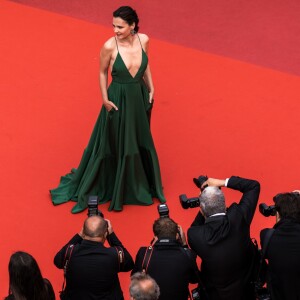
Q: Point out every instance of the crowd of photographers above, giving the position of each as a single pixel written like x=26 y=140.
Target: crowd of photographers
x=232 y=266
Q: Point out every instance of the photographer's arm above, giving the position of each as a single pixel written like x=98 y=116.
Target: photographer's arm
x=139 y=260
x=250 y=189
x=113 y=240
x=214 y=182
x=194 y=273
x=60 y=256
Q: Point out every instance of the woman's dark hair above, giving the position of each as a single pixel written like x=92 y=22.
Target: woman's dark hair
x=127 y=14
x=25 y=278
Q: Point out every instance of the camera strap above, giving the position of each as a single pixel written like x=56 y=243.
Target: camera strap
x=66 y=262
x=146 y=260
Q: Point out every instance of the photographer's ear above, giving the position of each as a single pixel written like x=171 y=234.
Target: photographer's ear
x=277 y=217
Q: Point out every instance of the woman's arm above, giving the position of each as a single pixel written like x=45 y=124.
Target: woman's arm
x=147 y=75
x=105 y=58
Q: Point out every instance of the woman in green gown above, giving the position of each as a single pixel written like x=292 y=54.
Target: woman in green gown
x=120 y=163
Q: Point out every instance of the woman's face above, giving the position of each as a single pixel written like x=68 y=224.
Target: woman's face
x=122 y=28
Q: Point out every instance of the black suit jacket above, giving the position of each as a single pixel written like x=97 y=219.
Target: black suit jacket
x=171 y=268
x=224 y=245
x=283 y=254
x=93 y=269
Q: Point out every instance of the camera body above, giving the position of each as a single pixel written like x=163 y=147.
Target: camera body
x=163 y=210
x=266 y=210
x=194 y=201
x=93 y=207
x=195 y=294
x=262 y=294
x=189 y=202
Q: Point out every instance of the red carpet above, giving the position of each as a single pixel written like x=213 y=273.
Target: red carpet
x=265 y=33
x=213 y=115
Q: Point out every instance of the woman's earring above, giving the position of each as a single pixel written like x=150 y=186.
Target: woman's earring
x=133 y=32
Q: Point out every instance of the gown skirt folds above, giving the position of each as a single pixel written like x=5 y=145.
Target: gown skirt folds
x=120 y=163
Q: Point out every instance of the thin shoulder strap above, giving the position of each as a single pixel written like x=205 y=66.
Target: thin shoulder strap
x=66 y=262
x=140 y=40
x=121 y=258
x=146 y=260
x=117 y=44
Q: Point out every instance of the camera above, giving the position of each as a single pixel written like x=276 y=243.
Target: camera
x=199 y=293
x=266 y=210
x=163 y=210
x=189 y=202
x=93 y=207
x=194 y=201
x=262 y=294
x=195 y=294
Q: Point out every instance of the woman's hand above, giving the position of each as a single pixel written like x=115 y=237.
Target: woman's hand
x=109 y=105
x=151 y=94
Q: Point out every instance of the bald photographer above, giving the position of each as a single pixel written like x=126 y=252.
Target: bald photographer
x=92 y=269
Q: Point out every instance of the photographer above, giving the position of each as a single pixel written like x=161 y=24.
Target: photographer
x=92 y=271
x=221 y=238
x=171 y=264
x=283 y=249
x=143 y=287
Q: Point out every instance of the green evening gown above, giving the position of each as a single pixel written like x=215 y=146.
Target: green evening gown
x=120 y=163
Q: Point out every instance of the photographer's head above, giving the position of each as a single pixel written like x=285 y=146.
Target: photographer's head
x=143 y=287
x=288 y=206
x=212 y=201
x=165 y=228
x=95 y=229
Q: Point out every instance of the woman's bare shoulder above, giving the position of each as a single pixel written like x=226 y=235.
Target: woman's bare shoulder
x=144 y=37
x=109 y=45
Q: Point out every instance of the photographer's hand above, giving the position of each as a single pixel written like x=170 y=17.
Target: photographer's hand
x=182 y=236
x=109 y=228
x=213 y=182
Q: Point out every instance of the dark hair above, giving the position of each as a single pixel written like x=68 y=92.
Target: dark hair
x=25 y=278
x=127 y=14
x=165 y=228
x=288 y=205
x=143 y=287
x=94 y=226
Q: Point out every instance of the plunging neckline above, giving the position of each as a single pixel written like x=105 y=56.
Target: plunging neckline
x=133 y=77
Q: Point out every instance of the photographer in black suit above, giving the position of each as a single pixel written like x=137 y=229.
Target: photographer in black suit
x=172 y=265
x=92 y=271
x=283 y=249
x=221 y=238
